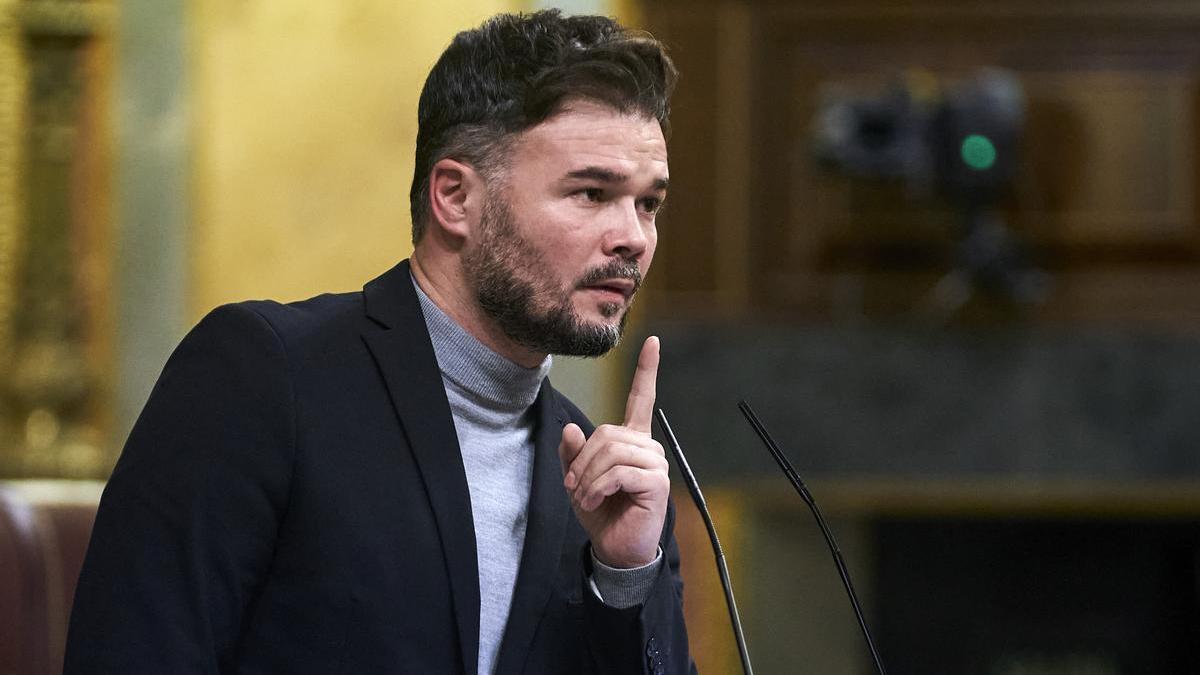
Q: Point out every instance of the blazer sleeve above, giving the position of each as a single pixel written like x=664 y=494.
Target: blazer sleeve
x=650 y=638
x=187 y=523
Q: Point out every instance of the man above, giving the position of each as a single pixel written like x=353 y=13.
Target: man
x=385 y=481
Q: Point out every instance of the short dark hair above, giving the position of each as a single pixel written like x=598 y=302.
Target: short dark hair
x=515 y=72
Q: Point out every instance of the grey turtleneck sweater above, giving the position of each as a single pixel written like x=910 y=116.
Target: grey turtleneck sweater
x=491 y=401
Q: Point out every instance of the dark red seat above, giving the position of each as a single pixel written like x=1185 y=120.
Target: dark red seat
x=44 y=530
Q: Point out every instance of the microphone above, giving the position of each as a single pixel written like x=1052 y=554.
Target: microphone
x=812 y=505
x=693 y=487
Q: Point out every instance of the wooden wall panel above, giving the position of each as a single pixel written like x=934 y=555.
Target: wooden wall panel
x=1105 y=194
x=685 y=262
x=1110 y=157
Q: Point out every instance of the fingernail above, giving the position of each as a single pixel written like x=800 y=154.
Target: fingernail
x=569 y=481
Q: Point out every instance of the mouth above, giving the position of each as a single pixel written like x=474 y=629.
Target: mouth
x=613 y=290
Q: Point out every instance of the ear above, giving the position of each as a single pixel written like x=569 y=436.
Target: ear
x=456 y=194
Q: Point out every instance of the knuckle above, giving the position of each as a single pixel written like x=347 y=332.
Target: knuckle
x=578 y=465
x=663 y=481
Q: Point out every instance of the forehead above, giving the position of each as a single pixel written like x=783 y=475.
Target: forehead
x=587 y=133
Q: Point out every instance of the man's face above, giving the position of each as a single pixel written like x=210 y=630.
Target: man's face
x=568 y=235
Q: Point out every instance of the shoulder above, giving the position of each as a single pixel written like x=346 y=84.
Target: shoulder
x=294 y=327
x=298 y=320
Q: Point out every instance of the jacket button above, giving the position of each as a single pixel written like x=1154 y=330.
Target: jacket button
x=652 y=647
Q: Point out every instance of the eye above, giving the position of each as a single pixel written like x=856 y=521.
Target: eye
x=650 y=205
x=591 y=194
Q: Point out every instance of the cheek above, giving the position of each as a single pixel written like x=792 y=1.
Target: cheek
x=568 y=252
x=560 y=265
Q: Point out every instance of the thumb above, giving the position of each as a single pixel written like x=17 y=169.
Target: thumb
x=572 y=442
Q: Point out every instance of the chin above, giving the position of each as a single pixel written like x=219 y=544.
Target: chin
x=607 y=314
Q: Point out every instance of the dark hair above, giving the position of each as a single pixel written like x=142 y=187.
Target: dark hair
x=515 y=72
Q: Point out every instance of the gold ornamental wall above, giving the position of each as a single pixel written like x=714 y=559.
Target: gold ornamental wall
x=305 y=121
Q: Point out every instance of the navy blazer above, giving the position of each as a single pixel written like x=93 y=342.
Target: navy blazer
x=292 y=500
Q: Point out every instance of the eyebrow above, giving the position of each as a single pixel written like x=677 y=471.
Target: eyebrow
x=608 y=176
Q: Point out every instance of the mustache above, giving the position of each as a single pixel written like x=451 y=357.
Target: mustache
x=617 y=269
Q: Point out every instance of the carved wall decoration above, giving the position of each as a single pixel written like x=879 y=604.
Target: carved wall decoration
x=55 y=329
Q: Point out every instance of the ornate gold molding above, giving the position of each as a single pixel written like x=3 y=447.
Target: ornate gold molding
x=13 y=77
x=58 y=17
x=47 y=387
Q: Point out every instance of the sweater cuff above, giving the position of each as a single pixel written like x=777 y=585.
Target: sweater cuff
x=623 y=588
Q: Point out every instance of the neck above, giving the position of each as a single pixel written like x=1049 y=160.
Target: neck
x=445 y=284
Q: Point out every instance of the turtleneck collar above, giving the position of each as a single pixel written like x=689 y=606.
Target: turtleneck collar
x=468 y=363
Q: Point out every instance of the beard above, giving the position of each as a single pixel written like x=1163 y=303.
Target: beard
x=516 y=288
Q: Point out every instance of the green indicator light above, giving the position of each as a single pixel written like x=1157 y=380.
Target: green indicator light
x=978 y=152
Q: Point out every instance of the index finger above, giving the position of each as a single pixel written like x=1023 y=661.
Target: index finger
x=639 y=409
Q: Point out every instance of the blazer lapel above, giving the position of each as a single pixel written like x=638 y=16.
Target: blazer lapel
x=404 y=355
x=548 y=509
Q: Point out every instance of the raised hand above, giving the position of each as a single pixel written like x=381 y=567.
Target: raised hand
x=617 y=479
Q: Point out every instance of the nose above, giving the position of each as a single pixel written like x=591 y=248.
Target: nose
x=627 y=234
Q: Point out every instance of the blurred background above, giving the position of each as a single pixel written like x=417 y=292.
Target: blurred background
x=950 y=251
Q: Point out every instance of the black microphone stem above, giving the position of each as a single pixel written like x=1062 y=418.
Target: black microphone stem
x=693 y=487
x=794 y=477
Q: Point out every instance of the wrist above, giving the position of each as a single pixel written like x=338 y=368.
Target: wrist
x=628 y=561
